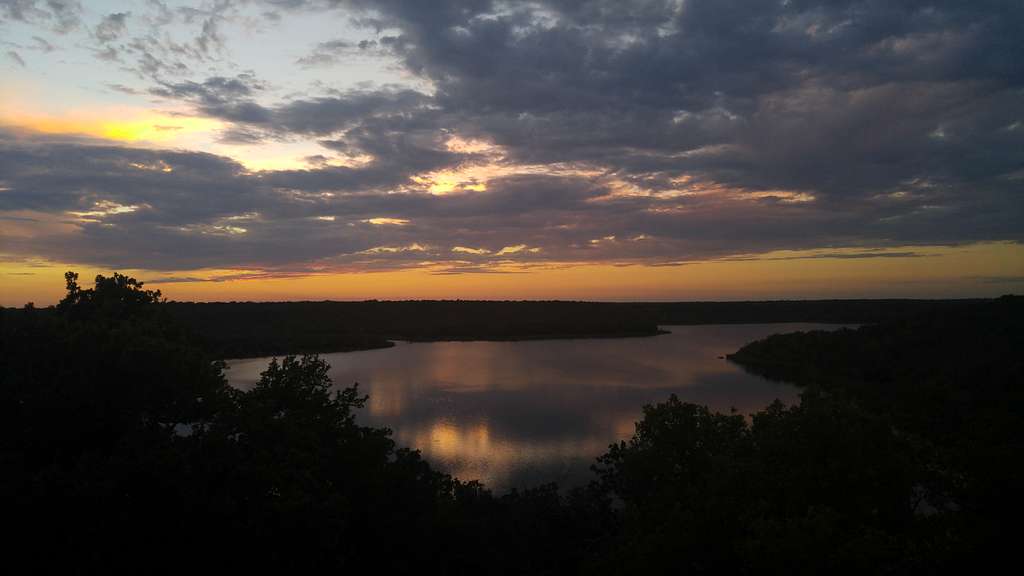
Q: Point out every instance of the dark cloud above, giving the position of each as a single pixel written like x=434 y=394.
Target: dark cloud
x=122 y=207
x=38 y=45
x=111 y=27
x=214 y=91
x=843 y=100
x=108 y=54
x=243 y=136
x=14 y=56
x=43 y=45
x=18 y=9
x=142 y=43
x=327 y=115
x=235 y=100
x=334 y=51
x=326 y=53
x=210 y=39
x=232 y=99
x=124 y=89
x=155 y=58
x=398 y=129
x=902 y=110
x=61 y=16
x=670 y=131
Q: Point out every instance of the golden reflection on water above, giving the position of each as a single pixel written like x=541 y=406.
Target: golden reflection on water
x=383 y=405
x=470 y=452
x=449 y=440
x=513 y=414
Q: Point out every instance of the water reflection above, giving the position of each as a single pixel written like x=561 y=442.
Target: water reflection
x=515 y=414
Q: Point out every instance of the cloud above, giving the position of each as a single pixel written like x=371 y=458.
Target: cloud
x=43 y=45
x=649 y=132
x=1000 y=279
x=333 y=51
x=466 y=250
x=213 y=92
x=414 y=247
x=16 y=58
x=838 y=102
x=231 y=100
x=111 y=27
x=518 y=248
x=655 y=88
x=122 y=207
x=61 y=16
x=385 y=221
x=326 y=53
x=124 y=89
x=876 y=253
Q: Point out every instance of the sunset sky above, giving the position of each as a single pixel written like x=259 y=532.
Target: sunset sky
x=605 y=150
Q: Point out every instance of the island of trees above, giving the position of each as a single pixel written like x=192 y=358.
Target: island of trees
x=122 y=447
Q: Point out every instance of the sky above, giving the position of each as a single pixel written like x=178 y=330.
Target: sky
x=555 y=149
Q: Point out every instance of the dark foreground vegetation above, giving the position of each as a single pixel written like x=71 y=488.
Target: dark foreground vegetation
x=247 y=329
x=950 y=382
x=122 y=447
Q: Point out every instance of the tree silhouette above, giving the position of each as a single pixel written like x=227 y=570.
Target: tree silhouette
x=122 y=446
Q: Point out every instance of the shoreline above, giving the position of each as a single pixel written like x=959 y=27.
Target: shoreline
x=392 y=342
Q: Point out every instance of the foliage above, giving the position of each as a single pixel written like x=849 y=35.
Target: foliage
x=241 y=329
x=117 y=296
x=122 y=447
x=950 y=383
x=819 y=487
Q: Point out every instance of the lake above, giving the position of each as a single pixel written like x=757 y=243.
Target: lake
x=517 y=414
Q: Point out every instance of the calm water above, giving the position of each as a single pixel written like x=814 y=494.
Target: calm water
x=515 y=414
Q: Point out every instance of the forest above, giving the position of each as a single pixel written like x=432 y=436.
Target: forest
x=253 y=329
x=122 y=447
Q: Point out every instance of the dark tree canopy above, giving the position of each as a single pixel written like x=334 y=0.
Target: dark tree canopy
x=122 y=447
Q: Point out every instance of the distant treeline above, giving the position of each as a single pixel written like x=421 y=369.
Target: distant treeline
x=772 y=311
x=253 y=329
x=123 y=448
x=260 y=329
x=246 y=329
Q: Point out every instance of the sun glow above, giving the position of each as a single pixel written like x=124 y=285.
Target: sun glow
x=448 y=181
x=117 y=124
x=974 y=270
x=104 y=208
x=386 y=221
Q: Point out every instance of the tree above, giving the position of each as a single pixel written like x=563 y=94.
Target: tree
x=117 y=296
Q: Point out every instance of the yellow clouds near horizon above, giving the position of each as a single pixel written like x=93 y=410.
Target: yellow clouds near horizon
x=978 y=270
x=148 y=128
x=122 y=125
